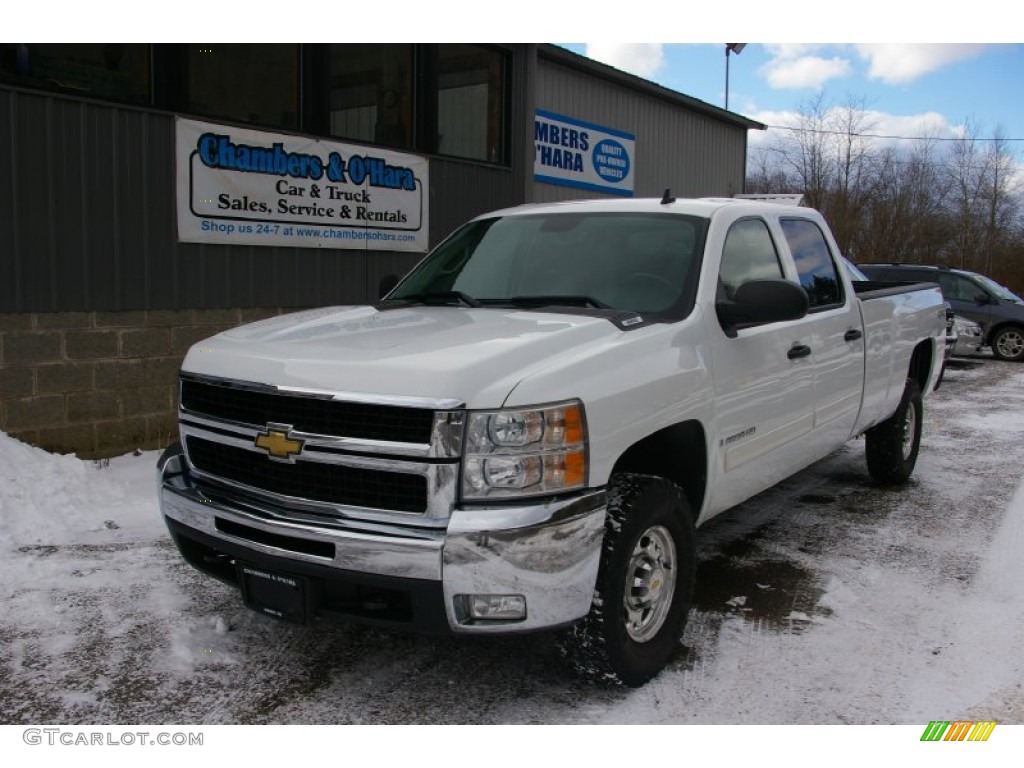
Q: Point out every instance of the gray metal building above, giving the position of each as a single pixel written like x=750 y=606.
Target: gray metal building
x=100 y=295
x=693 y=147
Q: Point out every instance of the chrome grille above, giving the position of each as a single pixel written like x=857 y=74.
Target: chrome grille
x=327 y=483
x=306 y=413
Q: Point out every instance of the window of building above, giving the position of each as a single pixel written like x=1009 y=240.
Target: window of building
x=471 y=96
x=748 y=254
x=249 y=83
x=371 y=93
x=814 y=264
x=116 y=71
x=448 y=99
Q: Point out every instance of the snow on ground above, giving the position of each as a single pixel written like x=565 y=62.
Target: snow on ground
x=49 y=499
x=825 y=600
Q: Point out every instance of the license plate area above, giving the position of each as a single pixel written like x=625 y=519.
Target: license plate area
x=280 y=595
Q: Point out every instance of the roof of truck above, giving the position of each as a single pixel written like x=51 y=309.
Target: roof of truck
x=697 y=207
x=703 y=206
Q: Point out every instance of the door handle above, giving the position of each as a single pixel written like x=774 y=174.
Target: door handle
x=852 y=335
x=798 y=350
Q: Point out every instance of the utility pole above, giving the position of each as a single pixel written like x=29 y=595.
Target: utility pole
x=736 y=48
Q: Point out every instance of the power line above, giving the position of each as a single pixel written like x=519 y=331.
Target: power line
x=886 y=136
x=934 y=165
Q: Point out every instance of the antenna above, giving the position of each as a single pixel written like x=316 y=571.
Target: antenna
x=667 y=198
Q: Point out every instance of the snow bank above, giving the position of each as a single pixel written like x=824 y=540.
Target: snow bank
x=48 y=499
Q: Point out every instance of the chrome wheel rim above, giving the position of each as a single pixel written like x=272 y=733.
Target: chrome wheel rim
x=909 y=427
x=1011 y=343
x=650 y=583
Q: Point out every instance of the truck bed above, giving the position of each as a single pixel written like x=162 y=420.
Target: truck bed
x=896 y=316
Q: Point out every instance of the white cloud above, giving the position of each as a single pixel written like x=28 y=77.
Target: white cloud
x=875 y=123
x=804 y=71
x=899 y=64
x=792 y=50
x=643 y=59
x=774 y=120
x=794 y=65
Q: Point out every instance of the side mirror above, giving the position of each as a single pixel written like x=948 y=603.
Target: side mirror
x=386 y=285
x=762 y=301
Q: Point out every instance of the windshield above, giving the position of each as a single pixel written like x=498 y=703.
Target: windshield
x=647 y=263
x=999 y=290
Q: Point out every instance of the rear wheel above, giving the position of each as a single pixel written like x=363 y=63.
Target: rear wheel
x=644 y=584
x=892 y=446
x=1008 y=343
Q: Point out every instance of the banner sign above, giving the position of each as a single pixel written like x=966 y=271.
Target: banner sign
x=573 y=153
x=246 y=187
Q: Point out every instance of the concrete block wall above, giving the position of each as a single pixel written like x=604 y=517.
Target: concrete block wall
x=100 y=384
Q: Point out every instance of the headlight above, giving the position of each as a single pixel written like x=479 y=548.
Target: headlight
x=525 y=452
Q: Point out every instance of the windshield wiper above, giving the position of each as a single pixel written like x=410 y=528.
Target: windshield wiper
x=440 y=298
x=556 y=301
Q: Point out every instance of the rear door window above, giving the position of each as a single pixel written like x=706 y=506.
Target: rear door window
x=814 y=263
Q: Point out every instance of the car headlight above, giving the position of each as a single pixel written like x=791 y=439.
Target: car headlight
x=525 y=452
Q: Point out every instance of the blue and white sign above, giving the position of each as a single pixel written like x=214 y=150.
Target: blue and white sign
x=574 y=153
x=249 y=187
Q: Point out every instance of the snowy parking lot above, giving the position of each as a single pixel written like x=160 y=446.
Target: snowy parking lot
x=825 y=600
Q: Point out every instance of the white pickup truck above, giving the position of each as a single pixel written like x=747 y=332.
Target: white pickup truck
x=525 y=433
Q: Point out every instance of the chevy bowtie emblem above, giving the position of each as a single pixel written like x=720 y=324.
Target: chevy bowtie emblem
x=276 y=442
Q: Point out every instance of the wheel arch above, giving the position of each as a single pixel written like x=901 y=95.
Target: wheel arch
x=921 y=363
x=997 y=327
x=677 y=453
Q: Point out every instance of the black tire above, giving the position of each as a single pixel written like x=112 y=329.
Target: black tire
x=649 y=537
x=1008 y=343
x=892 y=446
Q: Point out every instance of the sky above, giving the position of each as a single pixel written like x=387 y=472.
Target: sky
x=907 y=90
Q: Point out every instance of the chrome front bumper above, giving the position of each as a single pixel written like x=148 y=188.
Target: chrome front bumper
x=547 y=552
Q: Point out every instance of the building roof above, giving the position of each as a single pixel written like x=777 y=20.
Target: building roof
x=597 y=69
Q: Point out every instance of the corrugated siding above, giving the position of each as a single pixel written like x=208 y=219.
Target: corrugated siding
x=695 y=155
x=459 y=191
x=87 y=220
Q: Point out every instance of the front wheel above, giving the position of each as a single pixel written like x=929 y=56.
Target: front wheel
x=892 y=446
x=1008 y=343
x=644 y=584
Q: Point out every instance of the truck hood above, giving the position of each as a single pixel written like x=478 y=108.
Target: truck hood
x=476 y=356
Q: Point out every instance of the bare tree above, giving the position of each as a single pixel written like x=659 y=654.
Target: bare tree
x=966 y=207
x=803 y=154
x=828 y=158
x=905 y=219
x=765 y=176
x=856 y=172
x=1000 y=206
x=961 y=205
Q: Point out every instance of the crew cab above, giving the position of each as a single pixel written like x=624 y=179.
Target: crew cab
x=525 y=433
